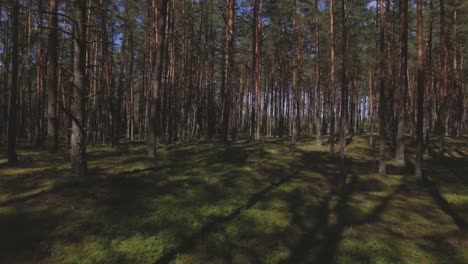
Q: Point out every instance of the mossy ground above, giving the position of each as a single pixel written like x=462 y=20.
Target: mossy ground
x=267 y=202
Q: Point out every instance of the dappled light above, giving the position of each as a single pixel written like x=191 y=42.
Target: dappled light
x=233 y=131
x=204 y=202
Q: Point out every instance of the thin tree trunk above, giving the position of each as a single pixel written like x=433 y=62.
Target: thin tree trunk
x=229 y=68
x=106 y=81
x=420 y=115
x=153 y=122
x=78 y=141
x=317 y=76
x=400 y=147
x=382 y=110
x=295 y=88
x=52 y=78
x=256 y=66
x=11 y=152
x=344 y=80
x=332 y=78
x=38 y=135
x=443 y=79
x=430 y=77
x=371 y=108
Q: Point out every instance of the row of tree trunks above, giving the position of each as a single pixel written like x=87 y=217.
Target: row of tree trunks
x=186 y=83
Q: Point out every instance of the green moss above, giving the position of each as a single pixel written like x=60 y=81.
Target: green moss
x=457 y=199
x=269 y=202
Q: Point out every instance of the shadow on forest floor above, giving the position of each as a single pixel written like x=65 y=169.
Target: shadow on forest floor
x=249 y=202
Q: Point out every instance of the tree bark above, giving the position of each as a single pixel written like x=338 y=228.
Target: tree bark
x=295 y=77
x=12 y=110
x=229 y=67
x=317 y=75
x=78 y=141
x=256 y=66
x=344 y=80
x=161 y=32
x=332 y=77
x=382 y=110
x=400 y=147
x=52 y=78
x=40 y=80
x=420 y=115
x=106 y=79
x=430 y=78
x=443 y=79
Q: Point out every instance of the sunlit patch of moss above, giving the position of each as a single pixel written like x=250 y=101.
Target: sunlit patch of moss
x=457 y=199
x=4 y=211
x=278 y=255
x=378 y=244
x=255 y=219
x=139 y=248
x=355 y=249
x=263 y=221
x=91 y=249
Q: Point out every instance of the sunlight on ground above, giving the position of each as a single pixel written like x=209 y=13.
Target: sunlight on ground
x=265 y=202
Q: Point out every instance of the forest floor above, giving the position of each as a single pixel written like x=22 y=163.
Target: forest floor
x=267 y=202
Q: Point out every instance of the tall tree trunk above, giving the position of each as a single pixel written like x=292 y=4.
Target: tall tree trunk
x=122 y=80
x=132 y=91
x=371 y=108
x=420 y=115
x=107 y=73
x=229 y=67
x=382 y=110
x=430 y=77
x=332 y=78
x=443 y=79
x=256 y=66
x=78 y=141
x=400 y=147
x=38 y=130
x=52 y=78
x=11 y=152
x=317 y=75
x=295 y=88
x=29 y=81
x=153 y=122
x=344 y=80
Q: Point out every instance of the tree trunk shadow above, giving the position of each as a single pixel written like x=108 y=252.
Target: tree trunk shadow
x=309 y=239
x=211 y=226
x=334 y=233
x=440 y=200
x=444 y=205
